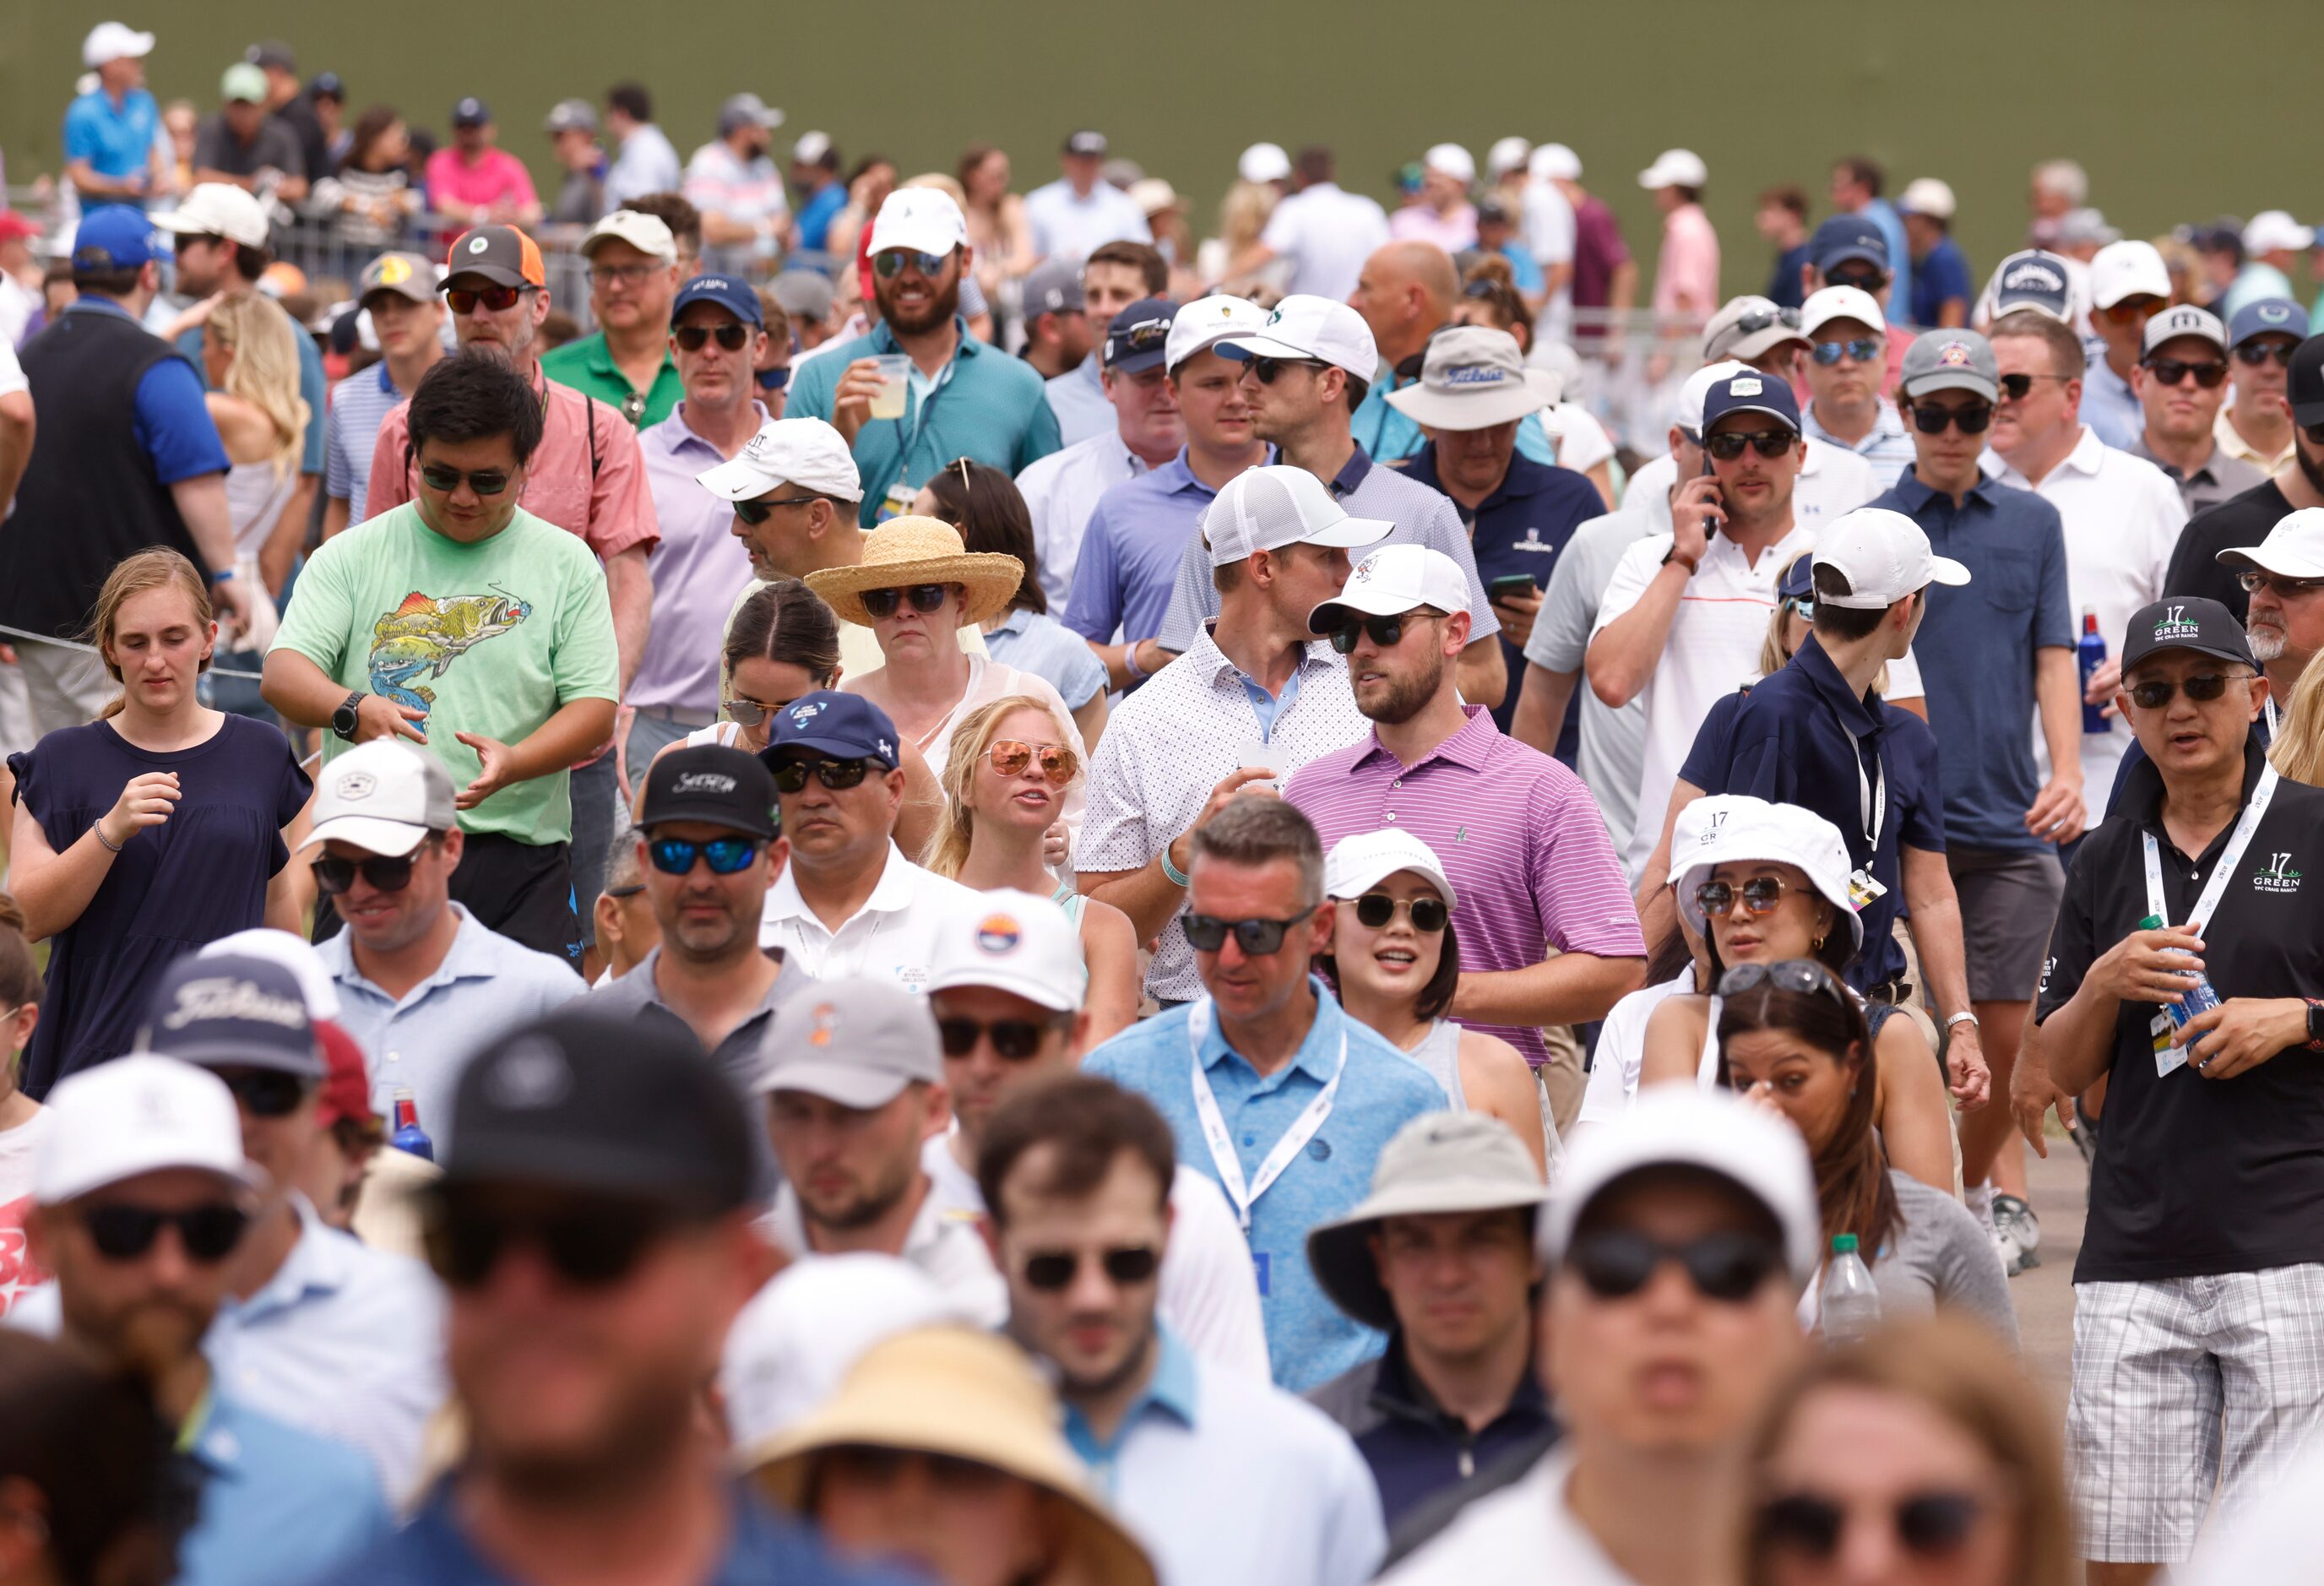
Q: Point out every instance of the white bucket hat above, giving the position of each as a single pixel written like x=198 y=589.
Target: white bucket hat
x=1779 y=833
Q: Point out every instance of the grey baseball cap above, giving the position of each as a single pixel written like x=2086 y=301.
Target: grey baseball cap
x=571 y=115
x=857 y=1042
x=1949 y=360
x=804 y=294
x=1054 y=286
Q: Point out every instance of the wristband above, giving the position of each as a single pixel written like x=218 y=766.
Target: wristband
x=1137 y=674
x=2315 y=1035
x=111 y=847
x=1171 y=872
x=1692 y=564
x=1963 y=1016
x=221 y=577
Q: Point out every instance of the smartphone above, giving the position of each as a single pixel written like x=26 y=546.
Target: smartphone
x=1508 y=585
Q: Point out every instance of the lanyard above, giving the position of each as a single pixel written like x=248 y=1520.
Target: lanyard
x=1215 y=1126
x=2268 y=704
x=1871 y=793
x=2245 y=825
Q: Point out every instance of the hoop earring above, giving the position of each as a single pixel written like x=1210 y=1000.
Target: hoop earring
x=1817 y=945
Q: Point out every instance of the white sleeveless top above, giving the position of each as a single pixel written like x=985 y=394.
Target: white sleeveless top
x=1439 y=1052
x=255 y=496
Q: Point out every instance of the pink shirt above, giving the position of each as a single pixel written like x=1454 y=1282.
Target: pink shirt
x=1420 y=223
x=1519 y=836
x=1688 y=265
x=497 y=177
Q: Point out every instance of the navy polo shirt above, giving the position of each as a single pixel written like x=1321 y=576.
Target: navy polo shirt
x=1521 y=528
x=1800 y=737
x=1416 y=1448
x=1976 y=644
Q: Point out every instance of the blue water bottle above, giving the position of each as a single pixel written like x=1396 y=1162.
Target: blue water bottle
x=2090 y=655
x=2198 y=997
x=408 y=1135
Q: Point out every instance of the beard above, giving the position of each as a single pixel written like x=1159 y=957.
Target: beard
x=2266 y=642
x=650 y=1424
x=1405 y=697
x=944 y=302
x=2309 y=467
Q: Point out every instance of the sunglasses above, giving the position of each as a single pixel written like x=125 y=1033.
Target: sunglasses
x=2314 y=432
x=1257 y=937
x=893 y=261
x=1616 y=1263
x=880 y=604
x=264 y=1093
x=1862 y=349
x=498 y=299
x=774 y=378
x=1729 y=443
x=384 y=872
x=123 y=1232
x=588 y=1247
x=1266 y=369
x=791 y=777
x=2256 y=353
x=1015 y=1039
x=757 y=512
x=2015 y=387
x=483 y=481
x=2210 y=374
x=675 y=856
x=1385 y=632
x=1760 y=895
x=693 y=338
x=2132 y=311
x=1974 y=418
x=1126 y=1267
x=1800 y=607
x=2154 y=694
x=1928 y=1524
x=1428 y=914
x=1009 y=758
x=1803 y=975
x=1759 y=320
x=1863 y=281
x=2281 y=588
x=752 y=713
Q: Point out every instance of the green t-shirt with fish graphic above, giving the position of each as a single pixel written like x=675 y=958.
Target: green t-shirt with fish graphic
x=490 y=638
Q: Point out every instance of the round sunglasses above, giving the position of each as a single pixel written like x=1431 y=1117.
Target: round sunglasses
x=1428 y=914
x=1125 y=1266
x=1928 y=1524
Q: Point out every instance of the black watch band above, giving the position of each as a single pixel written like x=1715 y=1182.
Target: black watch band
x=344 y=719
x=2315 y=1023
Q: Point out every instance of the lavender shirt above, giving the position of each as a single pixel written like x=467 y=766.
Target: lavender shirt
x=697 y=569
x=1519 y=838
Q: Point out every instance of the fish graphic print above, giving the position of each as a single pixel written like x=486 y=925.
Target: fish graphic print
x=421 y=637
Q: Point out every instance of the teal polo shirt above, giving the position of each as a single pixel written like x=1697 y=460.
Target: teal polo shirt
x=985 y=406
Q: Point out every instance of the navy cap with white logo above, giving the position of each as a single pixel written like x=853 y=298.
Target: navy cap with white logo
x=1139 y=338
x=729 y=293
x=847 y=726
x=712 y=784
x=1752 y=392
x=2267 y=317
x=2186 y=622
x=2033 y=279
x=232 y=1012
x=1846 y=239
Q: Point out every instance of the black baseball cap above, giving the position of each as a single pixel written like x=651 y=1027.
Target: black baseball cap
x=712 y=784
x=1139 y=338
x=232 y=1012
x=587 y=1102
x=2303 y=385
x=471 y=112
x=2186 y=622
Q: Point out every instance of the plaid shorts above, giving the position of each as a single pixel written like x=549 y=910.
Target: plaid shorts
x=2185 y=1386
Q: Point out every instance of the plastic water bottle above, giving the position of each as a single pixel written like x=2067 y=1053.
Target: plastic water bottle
x=408 y=1135
x=1850 y=1304
x=2196 y=997
x=2090 y=655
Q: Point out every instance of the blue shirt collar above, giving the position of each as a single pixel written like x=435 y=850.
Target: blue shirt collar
x=1351 y=474
x=1916 y=495
x=96 y=305
x=1173 y=1390
x=1523 y=478
x=1318 y=1055
x=1014 y=621
x=1177 y=475
x=1823 y=676
x=386 y=384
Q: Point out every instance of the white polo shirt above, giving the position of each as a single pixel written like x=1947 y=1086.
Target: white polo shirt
x=892 y=936
x=1621 y=1054
x=1714 y=649
x=1061 y=492
x=946 y=1251
x=2122 y=516
x=1832 y=480
x=1325 y=234
x=1524 y=1534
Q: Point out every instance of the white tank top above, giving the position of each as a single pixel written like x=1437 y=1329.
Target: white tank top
x=1439 y=1052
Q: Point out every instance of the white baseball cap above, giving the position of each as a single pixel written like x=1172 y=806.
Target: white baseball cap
x=1304 y=326
x=1925 y=195
x=793 y=1344
x=1841 y=302
x=1883 y=556
x=648 y=233
x=384 y=797
x=1473 y=377
x=2271 y=229
x=805 y=451
x=1264 y=163
x=1555 y=162
x=1675 y=167
x=1392 y=580
x=1781 y=834
x=1685 y=1126
x=1271 y=507
x=1453 y=161
x=1696 y=392
x=1012 y=942
x=115 y=41
x=134 y=1115
x=1700 y=824
x=2293 y=548
x=2186 y=320
x=2127 y=270
x=1505 y=155
x=316 y=987
x=1361 y=861
x=919 y=220
x=1207 y=321
x=217 y=208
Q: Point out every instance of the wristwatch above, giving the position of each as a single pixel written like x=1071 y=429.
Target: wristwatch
x=1963 y=1016
x=344 y=719
x=2315 y=1023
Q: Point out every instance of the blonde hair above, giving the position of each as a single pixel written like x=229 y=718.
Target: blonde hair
x=1243 y=214
x=265 y=372
x=1773 y=657
x=947 y=185
x=158 y=568
x=947 y=848
x=2299 y=749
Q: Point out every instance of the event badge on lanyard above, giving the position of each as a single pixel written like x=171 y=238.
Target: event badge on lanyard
x=1872 y=813
x=2166 y=1056
x=1214 y=1125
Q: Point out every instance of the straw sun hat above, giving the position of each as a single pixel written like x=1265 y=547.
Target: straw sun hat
x=905 y=552
x=957 y=1391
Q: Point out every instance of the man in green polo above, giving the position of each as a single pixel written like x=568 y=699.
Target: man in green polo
x=632 y=282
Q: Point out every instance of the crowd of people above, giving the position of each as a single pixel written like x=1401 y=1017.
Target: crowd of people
x=985 y=896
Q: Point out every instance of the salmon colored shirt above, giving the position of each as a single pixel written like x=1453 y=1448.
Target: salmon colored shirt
x=1688 y=265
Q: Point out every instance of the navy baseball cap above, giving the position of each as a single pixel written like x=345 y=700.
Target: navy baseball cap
x=2035 y=281
x=729 y=293
x=1138 y=339
x=116 y=237
x=2267 y=317
x=1751 y=392
x=845 y=726
x=471 y=112
x=1798 y=580
x=232 y=1012
x=1846 y=237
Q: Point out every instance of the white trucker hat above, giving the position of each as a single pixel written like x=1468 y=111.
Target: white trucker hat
x=1304 y=326
x=1205 y=322
x=1361 y=861
x=217 y=208
x=920 y=220
x=648 y=233
x=1391 y=580
x=1271 y=507
x=384 y=797
x=2128 y=269
x=1675 y=167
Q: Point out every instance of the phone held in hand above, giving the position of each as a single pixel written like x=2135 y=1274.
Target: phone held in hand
x=1509 y=585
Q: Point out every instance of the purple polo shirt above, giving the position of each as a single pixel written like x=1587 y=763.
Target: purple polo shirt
x=697 y=569
x=1519 y=837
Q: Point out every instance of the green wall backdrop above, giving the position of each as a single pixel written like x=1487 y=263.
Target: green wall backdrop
x=2179 y=111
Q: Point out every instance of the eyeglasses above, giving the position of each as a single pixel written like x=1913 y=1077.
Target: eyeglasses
x=757 y=512
x=880 y=604
x=384 y=872
x=1862 y=349
x=1930 y=418
x=791 y=777
x=1257 y=937
x=2281 y=587
x=2014 y=388
x=1015 y=1039
x=587 y=1246
x=1930 y=1525
x=2132 y=311
x=1125 y=1265
x=1803 y=975
x=1009 y=758
x=123 y=1232
x=1760 y=895
x=1266 y=369
x=2209 y=374
x=447 y=479
x=265 y=1092
x=498 y=299
x=893 y=261
x=622 y=274
x=675 y=856
x=2157 y=692
x=1428 y=914
x=1727 y=444
x=1615 y=1263
x=693 y=338
x=2256 y=353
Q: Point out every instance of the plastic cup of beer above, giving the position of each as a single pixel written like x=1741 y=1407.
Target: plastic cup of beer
x=895 y=382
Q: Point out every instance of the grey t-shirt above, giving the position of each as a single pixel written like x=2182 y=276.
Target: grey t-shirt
x=1940 y=1257
x=1613 y=743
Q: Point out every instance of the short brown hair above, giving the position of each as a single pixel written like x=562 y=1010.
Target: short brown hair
x=1788 y=196
x=1091 y=1121
x=674 y=211
x=1253 y=832
x=1863 y=173
x=2066 y=356
x=1145 y=260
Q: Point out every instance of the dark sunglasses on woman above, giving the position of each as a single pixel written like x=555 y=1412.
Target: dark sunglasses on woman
x=1929 y=1526
x=880 y=604
x=1760 y=895
x=1803 y=975
x=1428 y=914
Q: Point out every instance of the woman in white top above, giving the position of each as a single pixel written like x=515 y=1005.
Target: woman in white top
x=1395 y=963
x=1007 y=779
x=250 y=352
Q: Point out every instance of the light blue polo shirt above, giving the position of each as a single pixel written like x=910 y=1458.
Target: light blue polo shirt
x=278 y=1506
x=116 y=139
x=1309 y=1339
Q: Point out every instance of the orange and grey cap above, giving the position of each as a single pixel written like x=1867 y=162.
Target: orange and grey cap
x=502 y=255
